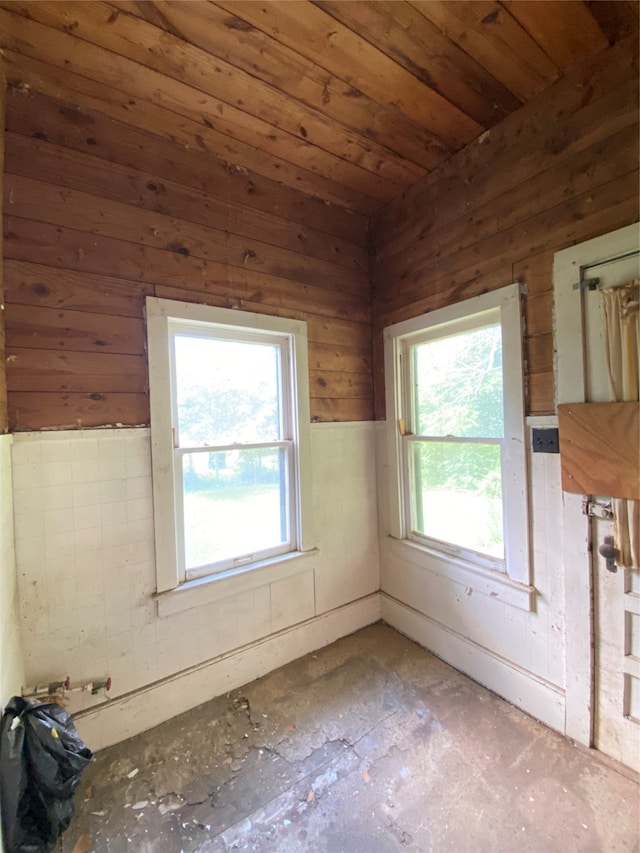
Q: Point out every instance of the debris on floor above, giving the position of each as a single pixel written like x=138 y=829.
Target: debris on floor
x=370 y=745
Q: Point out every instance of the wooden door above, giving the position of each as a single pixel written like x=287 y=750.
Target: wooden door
x=603 y=681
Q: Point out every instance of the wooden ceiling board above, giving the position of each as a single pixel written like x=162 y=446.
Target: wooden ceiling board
x=407 y=37
x=238 y=42
x=469 y=176
x=617 y=20
x=351 y=103
x=343 y=52
x=79 y=90
x=233 y=89
x=100 y=57
x=487 y=31
x=565 y=29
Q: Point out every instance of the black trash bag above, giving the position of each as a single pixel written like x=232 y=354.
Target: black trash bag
x=41 y=762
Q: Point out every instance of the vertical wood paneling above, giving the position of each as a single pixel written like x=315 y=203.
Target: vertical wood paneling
x=498 y=210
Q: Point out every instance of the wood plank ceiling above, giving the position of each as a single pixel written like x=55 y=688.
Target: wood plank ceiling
x=351 y=102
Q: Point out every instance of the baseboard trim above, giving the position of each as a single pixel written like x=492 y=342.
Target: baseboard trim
x=531 y=694
x=140 y=710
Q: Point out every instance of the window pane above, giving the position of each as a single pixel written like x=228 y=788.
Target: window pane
x=458 y=384
x=227 y=391
x=457 y=493
x=235 y=504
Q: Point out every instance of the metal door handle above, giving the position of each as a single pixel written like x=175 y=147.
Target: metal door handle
x=610 y=553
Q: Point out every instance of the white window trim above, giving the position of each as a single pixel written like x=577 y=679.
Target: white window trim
x=513 y=585
x=172 y=592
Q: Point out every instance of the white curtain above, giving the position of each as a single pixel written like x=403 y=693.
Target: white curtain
x=622 y=343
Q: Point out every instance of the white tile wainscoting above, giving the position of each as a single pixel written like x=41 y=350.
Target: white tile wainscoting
x=84 y=542
x=11 y=661
x=86 y=575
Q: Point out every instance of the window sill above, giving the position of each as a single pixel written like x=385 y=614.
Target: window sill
x=232 y=582
x=491 y=583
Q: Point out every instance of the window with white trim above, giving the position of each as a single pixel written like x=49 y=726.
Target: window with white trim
x=456 y=421
x=229 y=429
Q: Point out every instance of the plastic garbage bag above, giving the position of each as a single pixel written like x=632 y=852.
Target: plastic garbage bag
x=41 y=761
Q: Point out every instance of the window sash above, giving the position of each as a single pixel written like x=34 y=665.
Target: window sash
x=162 y=316
x=408 y=403
x=410 y=499
x=287 y=501
x=285 y=412
x=501 y=306
x=407 y=381
x=285 y=374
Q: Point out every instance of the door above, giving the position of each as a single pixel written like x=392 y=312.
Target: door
x=602 y=606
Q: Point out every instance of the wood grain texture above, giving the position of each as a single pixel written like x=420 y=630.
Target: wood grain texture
x=166 y=104
x=70 y=410
x=341 y=51
x=48 y=370
x=345 y=154
x=532 y=187
x=585 y=110
x=600 y=449
x=44 y=286
x=234 y=39
x=88 y=246
x=349 y=102
x=88 y=213
x=62 y=167
x=227 y=95
x=85 y=245
x=487 y=31
x=77 y=129
x=400 y=31
x=567 y=32
x=617 y=20
x=231 y=153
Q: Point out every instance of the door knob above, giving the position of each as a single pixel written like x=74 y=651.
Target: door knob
x=610 y=553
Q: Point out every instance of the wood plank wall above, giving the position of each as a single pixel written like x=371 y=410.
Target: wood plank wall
x=561 y=170
x=99 y=214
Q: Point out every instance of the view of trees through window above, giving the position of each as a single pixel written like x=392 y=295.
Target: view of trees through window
x=228 y=392
x=456 y=474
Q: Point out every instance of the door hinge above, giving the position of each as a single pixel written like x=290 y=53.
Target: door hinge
x=595 y=509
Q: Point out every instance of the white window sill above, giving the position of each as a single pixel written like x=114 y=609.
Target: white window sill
x=232 y=582
x=491 y=583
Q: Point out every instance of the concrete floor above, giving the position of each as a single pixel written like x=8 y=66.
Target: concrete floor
x=368 y=746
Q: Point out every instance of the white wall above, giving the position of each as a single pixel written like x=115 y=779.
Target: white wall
x=516 y=653
x=85 y=557
x=11 y=670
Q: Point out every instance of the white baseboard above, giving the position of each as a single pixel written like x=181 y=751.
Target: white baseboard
x=129 y=715
x=534 y=695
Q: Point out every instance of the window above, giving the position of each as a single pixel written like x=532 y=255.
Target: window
x=455 y=401
x=229 y=424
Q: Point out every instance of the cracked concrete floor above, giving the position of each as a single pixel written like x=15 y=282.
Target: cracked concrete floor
x=370 y=745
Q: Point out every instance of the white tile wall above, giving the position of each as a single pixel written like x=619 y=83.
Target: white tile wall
x=85 y=562
x=345 y=504
x=85 y=559
x=11 y=666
